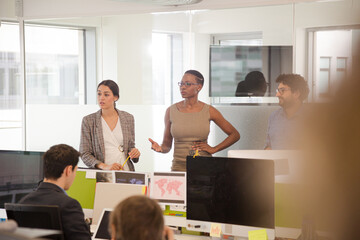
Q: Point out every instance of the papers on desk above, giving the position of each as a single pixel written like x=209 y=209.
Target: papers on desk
x=258 y=235
x=215 y=230
x=116 y=176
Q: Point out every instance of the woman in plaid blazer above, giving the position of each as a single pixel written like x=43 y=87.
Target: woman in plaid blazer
x=108 y=135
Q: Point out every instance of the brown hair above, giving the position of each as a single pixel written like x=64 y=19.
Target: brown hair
x=57 y=158
x=137 y=217
x=113 y=87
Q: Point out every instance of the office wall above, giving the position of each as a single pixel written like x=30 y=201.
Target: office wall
x=128 y=46
x=7 y=9
x=275 y=22
x=320 y=14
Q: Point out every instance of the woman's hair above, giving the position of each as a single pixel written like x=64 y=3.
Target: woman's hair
x=137 y=217
x=199 y=77
x=113 y=87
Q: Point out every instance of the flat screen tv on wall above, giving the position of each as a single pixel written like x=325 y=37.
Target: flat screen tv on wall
x=247 y=71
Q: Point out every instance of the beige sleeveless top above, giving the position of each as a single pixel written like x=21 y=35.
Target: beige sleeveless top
x=185 y=129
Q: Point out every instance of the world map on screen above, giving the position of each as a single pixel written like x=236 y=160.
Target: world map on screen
x=169 y=188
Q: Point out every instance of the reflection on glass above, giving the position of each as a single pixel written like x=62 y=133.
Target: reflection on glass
x=341 y=63
x=323 y=84
x=53 y=60
x=229 y=66
x=341 y=66
x=10 y=88
x=324 y=62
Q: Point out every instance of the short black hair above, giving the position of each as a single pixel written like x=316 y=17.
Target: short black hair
x=57 y=158
x=296 y=83
x=199 y=77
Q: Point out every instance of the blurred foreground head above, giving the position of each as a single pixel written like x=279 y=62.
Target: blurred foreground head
x=137 y=217
x=332 y=163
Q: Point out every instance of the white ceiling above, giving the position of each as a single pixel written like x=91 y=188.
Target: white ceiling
x=140 y=6
x=41 y=9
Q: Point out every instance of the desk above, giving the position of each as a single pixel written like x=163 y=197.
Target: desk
x=190 y=237
x=35 y=232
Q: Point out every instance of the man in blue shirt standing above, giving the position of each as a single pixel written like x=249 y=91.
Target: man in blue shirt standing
x=284 y=123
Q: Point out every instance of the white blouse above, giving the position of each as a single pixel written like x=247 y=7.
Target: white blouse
x=114 y=142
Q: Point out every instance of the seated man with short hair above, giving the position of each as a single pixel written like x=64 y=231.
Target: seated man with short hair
x=60 y=165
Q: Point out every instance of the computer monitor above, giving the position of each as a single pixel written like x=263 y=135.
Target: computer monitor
x=288 y=182
x=288 y=163
x=102 y=228
x=238 y=193
x=168 y=188
x=36 y=216
x=20 y=173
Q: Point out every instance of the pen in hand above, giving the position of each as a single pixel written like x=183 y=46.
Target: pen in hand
x=122 y=167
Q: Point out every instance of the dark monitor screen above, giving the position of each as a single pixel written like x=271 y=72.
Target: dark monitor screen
x=231 y=190
x=20 y=173
x=36 y=216
x=20 y=169
x=103 y=229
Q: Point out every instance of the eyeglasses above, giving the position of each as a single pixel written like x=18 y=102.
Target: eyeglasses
x=187 y=84
x=282 y=90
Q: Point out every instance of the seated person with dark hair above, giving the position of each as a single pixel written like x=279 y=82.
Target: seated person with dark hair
x=60 y=165
x=285 y=123
x=254 y=85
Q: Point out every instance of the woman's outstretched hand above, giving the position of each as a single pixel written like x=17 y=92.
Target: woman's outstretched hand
x=155 y=146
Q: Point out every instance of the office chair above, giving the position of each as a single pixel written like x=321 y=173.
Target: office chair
x=36 y=216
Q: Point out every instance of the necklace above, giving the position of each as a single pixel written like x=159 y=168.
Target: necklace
x=121 y=149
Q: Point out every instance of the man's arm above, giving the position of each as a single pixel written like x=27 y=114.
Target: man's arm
x=73 y=221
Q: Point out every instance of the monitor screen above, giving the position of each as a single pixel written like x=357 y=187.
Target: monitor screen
x=130 y=177
x=247 y=71
x=34 y=216
x=20 y=173
x=168 y=187
x=231 y=191
x=102 y=231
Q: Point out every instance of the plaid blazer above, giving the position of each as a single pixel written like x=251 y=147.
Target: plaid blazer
x=92 y=148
